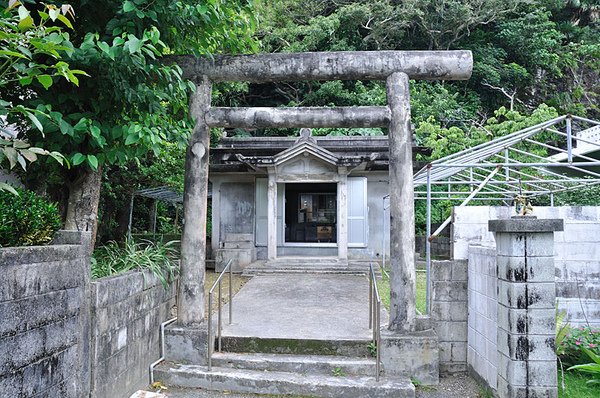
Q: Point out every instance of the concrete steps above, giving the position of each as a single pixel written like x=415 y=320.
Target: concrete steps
x=349 y=348
x=273 y=382
x=303 y=364
x=308 y=265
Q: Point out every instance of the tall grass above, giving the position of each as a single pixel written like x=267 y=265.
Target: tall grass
x=162 y=259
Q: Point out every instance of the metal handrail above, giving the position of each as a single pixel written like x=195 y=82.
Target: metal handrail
x=375 y=318
x=218 y=283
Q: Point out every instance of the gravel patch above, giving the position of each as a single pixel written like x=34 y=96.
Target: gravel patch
x=452 y=387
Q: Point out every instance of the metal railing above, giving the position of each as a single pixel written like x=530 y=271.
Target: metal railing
x=375 y=318
x=218 y=282
x=162 y=349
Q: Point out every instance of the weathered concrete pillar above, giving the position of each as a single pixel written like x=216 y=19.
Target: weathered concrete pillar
x=190 y=305
x=526 y=299
x=402 y=220
x=342 y=214
x=272 y=216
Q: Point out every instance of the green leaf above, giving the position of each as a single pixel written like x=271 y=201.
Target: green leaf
x=96 y=132
x=26 y=81
x=9 y=188
x=134 y=44
x=29 y=155
x=104 y=47
x=12 y=54
x=26 y=23
x=78 y=158
x=11 y=155
x=38 y=151
x=131 y=139
x=65 y=128
x=72 y=78
x=65 y=20
x=35 y=121
x=128 y=6
x=92 y=161
x=45 y=80
x=59 y=158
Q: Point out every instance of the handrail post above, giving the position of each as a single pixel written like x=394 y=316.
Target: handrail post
x=210 y=342
x=220 y=325
x=370 y=296
x=378 y=342
x=230 y=293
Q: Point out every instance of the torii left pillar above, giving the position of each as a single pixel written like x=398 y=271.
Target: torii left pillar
x=187 y=341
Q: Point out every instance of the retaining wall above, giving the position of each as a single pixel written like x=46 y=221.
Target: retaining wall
x=126 y=313
x=62 y=336
x=576 y=250
x=449 y=313
x=44 y=319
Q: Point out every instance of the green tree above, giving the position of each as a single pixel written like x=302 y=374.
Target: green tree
x=30 y=59
x=132 y=102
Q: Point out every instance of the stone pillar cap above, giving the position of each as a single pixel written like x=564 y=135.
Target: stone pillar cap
x=526 y=224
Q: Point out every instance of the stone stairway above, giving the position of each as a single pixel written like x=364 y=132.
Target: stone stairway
x=317 y=368
x=315 y=265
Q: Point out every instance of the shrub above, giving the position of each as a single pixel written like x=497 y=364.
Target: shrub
x=160 y=258
x=26 y=219
x=570 y=348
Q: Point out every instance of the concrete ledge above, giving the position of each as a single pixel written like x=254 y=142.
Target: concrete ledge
x=526 y=224
x=414 y=354
x=186 y=345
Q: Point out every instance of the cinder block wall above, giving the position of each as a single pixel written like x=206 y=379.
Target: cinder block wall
x=482 y=352
x=44 y=319
x=449 y=313
x=576 y=250
x=126 y=313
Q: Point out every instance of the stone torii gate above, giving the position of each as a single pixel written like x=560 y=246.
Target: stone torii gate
x=395 y=67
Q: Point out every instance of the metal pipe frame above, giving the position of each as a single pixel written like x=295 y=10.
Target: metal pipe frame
x=217 y=284
x=162 y=349
x=375 y=318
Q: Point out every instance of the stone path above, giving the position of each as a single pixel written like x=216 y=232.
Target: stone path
x=302 y=306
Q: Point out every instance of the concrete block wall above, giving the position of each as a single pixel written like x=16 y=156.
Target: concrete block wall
x=482 y=349
x=576 y=250
x=449 y=313
x=126 y=313
x=44 y=319
x=440 y=246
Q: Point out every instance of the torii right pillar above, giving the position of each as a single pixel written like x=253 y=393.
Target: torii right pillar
x=409 y=346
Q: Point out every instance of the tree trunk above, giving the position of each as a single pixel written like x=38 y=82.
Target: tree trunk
x=84 y=195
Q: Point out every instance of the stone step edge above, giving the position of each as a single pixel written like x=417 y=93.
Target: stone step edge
x=296 y=346
x=309 y=364
x=262 y=382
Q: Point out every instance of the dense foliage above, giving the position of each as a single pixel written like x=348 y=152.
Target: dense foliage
x=123 y=123
x=26 y=219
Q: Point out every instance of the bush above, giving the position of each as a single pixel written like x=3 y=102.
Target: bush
x=160 y=258
x=26 y=219
x=570 y=348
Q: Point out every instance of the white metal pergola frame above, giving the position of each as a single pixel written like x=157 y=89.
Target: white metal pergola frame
x=498 y=171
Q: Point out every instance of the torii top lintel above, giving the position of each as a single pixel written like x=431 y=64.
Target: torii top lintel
x=343 y=65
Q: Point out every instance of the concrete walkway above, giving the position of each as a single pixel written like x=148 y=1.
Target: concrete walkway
x=302 y=306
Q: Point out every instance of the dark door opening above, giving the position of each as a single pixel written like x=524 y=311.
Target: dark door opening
x=311 y=213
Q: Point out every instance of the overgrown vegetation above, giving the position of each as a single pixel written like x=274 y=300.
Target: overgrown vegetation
x=162 y=259
x=26 y=219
